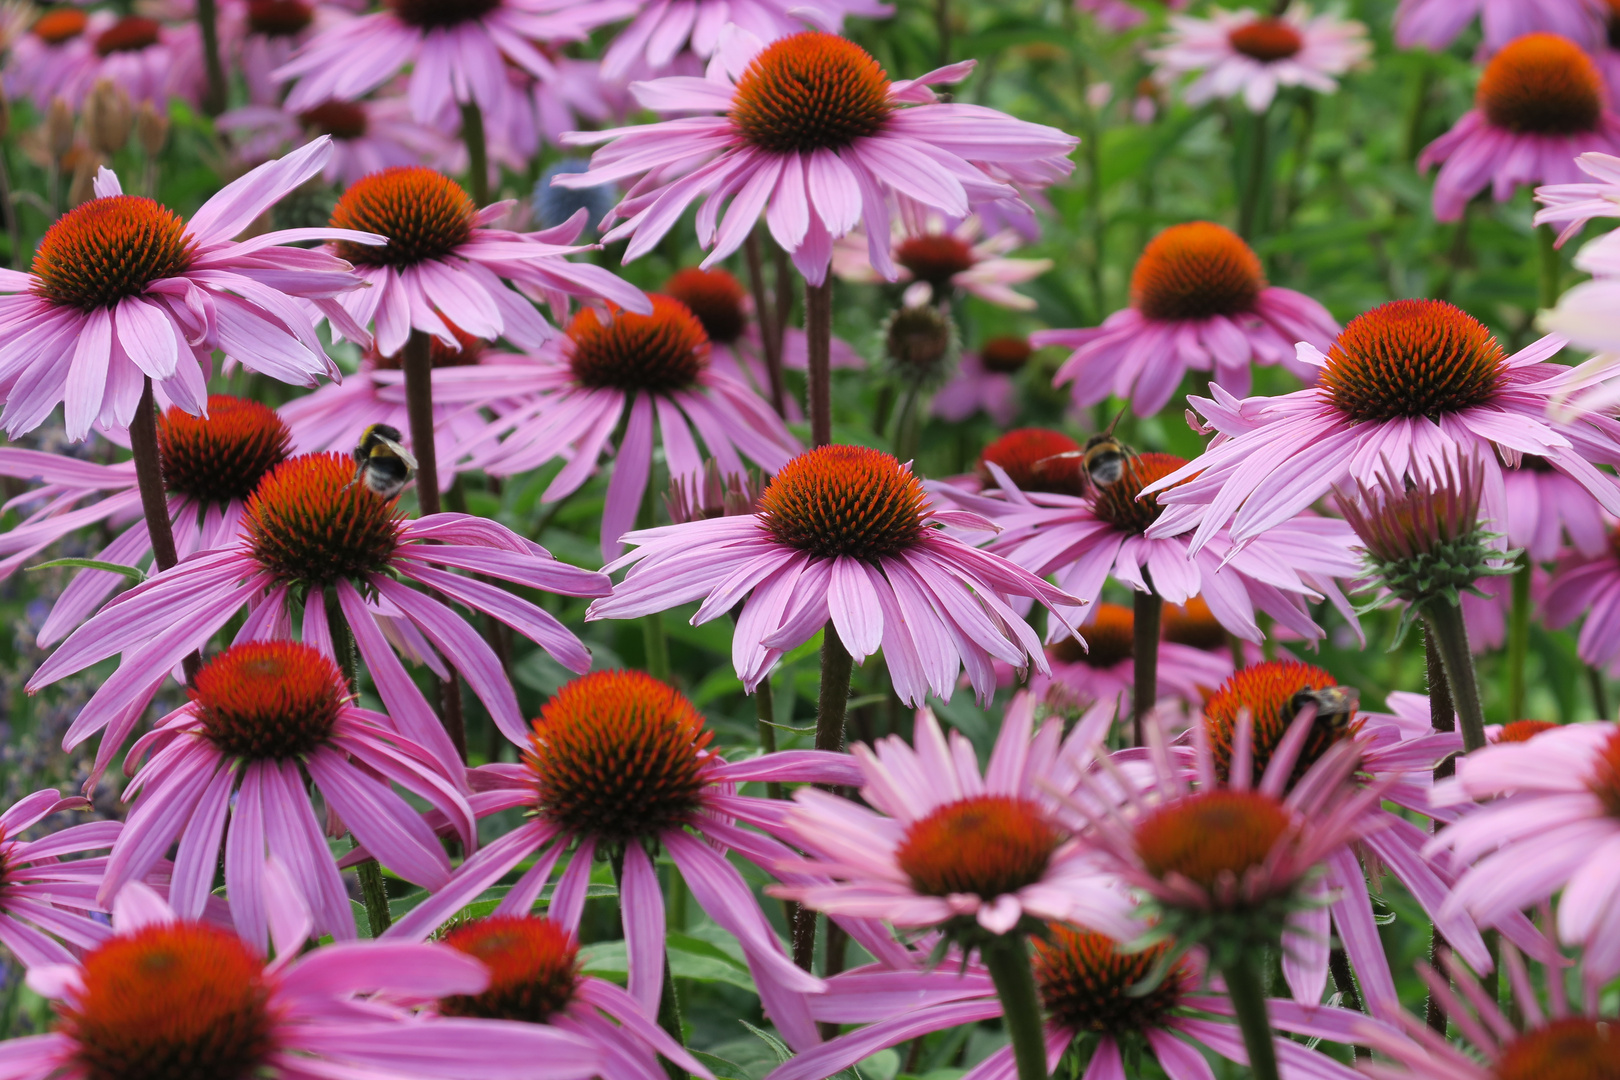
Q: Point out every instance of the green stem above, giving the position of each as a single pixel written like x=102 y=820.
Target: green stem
x=1550 y=271
x=472 y=133
x=656 y=643
x=1451 y=639
x=905 y=429
x=154 y=494
x=1600 y=692
x=208 y=23
x=1254 y=180
x=1416 y=105
x=1249 y=1002
x=765 y=710
x=374 y=891
x=1007 y=957
x=832 y=704
x=1518 y=642
x=1442 y=717
x=669 y=1006
x=765 y=318
x=818 y=342
x=1146 y=609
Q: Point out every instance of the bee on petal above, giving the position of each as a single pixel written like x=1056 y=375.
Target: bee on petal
x=381 y=461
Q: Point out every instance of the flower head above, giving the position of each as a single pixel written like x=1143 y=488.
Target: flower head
x=122 y=291
x=441 y=248
x=1434 y=24
x=1200 y=302
x=943 y=258
x=168 y=996
x=1407 y=388
x=812 y=132
x=310 y=530
x=1540 y=103
x=847 y=534
x=1250 y=54
x=1103 y=668
x=367 y=136
x=984 y=381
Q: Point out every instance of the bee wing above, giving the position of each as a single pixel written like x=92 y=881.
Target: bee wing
x=404 y=454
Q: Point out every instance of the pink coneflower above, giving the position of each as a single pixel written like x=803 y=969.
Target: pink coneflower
x=1588 y=585
x=1099 y=997
x=535 y=978
x=165 y=994
x=210 y=466
x=1199 y=302
x=1551 y=822
x=335 y=415
x=845 y=533
x=1104 y=668
x=1545 y=509
x=232 y=760
x=1397 y=754
x=367 y=136
x=664 y=27
x=612 y=373
x=261 y=35
x=458 y=51
x=308 y=525
x=1086 y=539
x=812 y=133
x=445 y=265
x=937 y=845
x=1117 y=16
x=55 y=58
x=1406 y=388
x=122 y=291
x=1540 y=103
x=618 y=761
x=1251 y=55
x=1537 y=1039
x=946 y=259
x=1575 y=204
x=736 y=343
x=150 y=61
x=984 y=381
x=1434 y=24
x=45 y=902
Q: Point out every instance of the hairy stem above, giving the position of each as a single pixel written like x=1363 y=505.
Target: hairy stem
x=818 y=335
x=832 y=704
x=1442 y=717
x=154 y=495
x=472 y=133
x=1146 y=609
x=1249 y=1002
x=1451 y=638
x=1007 y=957
x=208 y=23
x=765 y=314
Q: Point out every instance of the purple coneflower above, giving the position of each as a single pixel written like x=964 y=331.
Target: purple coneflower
x=227 y=770
x=663 y=27
x=1587 y=585
x=811 y=132
x=1541 y=102
x=1434 y=24
x=46 y=902
x=163 y=990
x=458 y=50
x=1251 y=55
x=1406 y=388
x=122 y=291
x=1099 y=997
x=616 y=765
x=210 y=466
x=1104 y=669
x=444 y=265
x=310 y=529
x=946 y=259
x=1199 y=302
x=367 y=136
x=616 y=373
x=845 y=537
x=984 y=381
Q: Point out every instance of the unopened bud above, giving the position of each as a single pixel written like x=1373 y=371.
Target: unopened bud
x=920 y=344
x=108 y=118
x=152 y=129
x=58 y=129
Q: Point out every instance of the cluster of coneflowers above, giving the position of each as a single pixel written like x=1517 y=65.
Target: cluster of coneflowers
x=1182 y=831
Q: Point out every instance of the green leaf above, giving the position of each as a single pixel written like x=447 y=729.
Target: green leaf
x=134 y=573
x=777 y=1046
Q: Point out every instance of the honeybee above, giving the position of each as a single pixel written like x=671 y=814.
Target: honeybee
x=1102 y=458
x=1334 y=707
x=382 y=461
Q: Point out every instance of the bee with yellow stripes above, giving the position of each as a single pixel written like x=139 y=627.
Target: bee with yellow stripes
x=382 y=462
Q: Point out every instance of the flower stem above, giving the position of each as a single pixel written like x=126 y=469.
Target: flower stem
x=373 y=890
x=831 y=706
x=1442 y=717
x=765 y=316
x=669 y=1006
x=1417 y=104
x=417 y=363
x=472 y=133
x=1518 y=642
x=1550 y=272
x=1007 y=957
x=1249 y=1001
x=818 y=341
x=1451 y=638
x=1146 y=609
x=905 y=429
x=765 y=711
x=208 y=23
x=1254 y=179
x=154 y=495
x=1600 y=691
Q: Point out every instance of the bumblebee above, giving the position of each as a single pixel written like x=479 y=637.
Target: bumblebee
x=382 y=462
x=1334 y=707
x=1103 y=457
